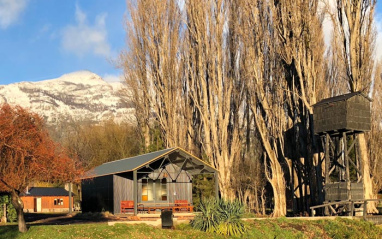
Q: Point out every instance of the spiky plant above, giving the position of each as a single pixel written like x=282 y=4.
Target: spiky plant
x=220 y=216
x=231 y=214
x=209 y=217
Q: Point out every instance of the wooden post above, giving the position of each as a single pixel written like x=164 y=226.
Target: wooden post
x=352 y=208
x=327 y=159
x=346 y=158
x=135 y=192
x=4 y=217
x=359 y=161
x=70 y=198
x=364 y=210
x=216 y=185
x=327 y=169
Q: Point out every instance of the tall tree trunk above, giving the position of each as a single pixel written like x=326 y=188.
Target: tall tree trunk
x=367 y=182
x=277 y=182
x=19 y=206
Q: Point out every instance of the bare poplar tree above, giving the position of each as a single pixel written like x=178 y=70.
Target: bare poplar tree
x=375 y=136
x=299 y=30
x=335 y=82
x=214 y=84
x=152 y=67
x=353 y=22
x=265 y=94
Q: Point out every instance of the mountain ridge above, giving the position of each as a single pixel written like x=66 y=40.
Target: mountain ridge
x=81 y=95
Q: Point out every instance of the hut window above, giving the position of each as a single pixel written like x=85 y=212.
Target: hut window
x=162 y=194
x=154 y=190
x=58 y=201
x=147 y=190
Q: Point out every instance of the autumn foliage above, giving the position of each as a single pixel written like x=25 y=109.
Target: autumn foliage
x=28 y=154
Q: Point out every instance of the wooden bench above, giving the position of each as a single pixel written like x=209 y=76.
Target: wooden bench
x=127 y=206
x=183 y=205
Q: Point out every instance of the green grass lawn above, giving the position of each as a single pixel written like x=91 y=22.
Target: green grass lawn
x=269 y=228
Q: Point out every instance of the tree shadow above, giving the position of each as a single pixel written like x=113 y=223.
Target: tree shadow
x=8 y=231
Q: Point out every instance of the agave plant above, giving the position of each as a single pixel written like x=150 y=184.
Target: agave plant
x=220 y=216
x=209 y=217
x=231 y=214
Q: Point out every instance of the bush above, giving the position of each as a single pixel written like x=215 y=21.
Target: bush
x=220 y=216
x=11 y=211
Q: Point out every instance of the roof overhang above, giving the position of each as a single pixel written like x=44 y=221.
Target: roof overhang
x=152 y=162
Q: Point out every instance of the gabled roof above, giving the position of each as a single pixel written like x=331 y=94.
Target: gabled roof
x=341 y=98
x=149 y=162
x=41 y=191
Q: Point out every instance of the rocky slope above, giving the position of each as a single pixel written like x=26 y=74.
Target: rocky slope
x=80 y=95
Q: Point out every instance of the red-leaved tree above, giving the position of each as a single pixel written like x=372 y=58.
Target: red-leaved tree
x=28 y=154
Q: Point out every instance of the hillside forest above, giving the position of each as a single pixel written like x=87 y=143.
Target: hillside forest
x=234 y=83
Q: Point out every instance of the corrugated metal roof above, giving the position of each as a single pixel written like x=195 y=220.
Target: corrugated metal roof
x=341 y=98
x=44 y=191
x=125 y=165
x=134 y=163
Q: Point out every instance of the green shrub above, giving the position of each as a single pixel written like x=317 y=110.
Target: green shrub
x=11 y=211
x=209 y=217
x=220 y=216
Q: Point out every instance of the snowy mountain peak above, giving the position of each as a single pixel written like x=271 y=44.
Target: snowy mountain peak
x=81 y=95
x=80 y=77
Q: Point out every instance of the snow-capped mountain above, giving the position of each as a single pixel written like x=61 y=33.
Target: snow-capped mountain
x=79 y=95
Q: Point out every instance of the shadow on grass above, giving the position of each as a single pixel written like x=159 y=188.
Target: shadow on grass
x=65 y=219
x=32 y=217
x=9 y=232
x=39 y=219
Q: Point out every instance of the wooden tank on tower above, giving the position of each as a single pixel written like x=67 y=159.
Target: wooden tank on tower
x=339 y=121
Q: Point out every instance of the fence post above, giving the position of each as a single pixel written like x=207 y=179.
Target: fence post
x=364 y=209
x=352 y=208
x=4 y=216
x=70 y=198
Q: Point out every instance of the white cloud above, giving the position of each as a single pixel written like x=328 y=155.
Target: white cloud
x=84 y=38
x=10 y=11
x=112 y=78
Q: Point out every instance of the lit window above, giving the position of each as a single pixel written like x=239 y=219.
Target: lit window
x=151 y=188
x=147 y=190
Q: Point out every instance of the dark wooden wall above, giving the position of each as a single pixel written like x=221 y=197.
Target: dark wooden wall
x=97 y=194
x=123 y=191
x=352 y=114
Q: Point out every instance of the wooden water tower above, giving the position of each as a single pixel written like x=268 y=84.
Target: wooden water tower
x=339 y=121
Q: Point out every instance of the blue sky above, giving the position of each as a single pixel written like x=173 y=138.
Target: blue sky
x=44 y=39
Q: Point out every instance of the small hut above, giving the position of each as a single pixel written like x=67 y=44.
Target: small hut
x=46 y=199
x=158 y=178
